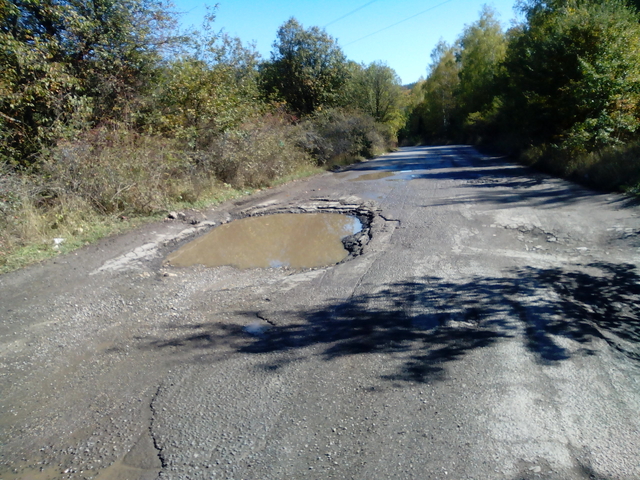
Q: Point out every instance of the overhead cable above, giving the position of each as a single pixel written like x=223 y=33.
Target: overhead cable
x=398 y=23
x=350 y=13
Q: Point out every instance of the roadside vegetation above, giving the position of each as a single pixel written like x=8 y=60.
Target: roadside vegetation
x=559 y=90
x=111 y=116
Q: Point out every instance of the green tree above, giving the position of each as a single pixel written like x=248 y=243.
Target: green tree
x=66 y=62
x=413 y=128
x=481 y=50
x=307 y=69
x=438 y=107
x=376 y=90
x=573 y=74
x=207 y=91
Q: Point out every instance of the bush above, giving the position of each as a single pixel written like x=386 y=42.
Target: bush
x=31 y=215
x=612 y=168
x=336 y=134
x=254 y=155
x=119 y=171
x=572 y=75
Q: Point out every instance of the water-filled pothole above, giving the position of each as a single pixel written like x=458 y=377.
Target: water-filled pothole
x=303 y=240
x=372 y=176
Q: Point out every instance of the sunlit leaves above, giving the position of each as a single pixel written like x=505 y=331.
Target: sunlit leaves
x=435 y=112
x=63 y=61
x=307 y=69
x=375 y=89
x=482 y=48
x=195 y=99
x=573 y=74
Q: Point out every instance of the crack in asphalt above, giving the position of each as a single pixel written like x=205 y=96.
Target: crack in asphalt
x=154 y=439
x=399 y=222
x=261 y=316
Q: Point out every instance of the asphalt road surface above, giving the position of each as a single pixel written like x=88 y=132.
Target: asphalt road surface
x=489 y=329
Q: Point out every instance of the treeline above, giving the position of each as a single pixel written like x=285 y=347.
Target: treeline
x=559 y=89
x=69 y=66
x=108 y=110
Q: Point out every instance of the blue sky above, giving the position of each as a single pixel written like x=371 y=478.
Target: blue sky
x=405 y=47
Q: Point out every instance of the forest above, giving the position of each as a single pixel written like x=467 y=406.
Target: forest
x=111 y=115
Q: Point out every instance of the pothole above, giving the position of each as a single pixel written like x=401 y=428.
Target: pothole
x=372 y=176
x=310 y=236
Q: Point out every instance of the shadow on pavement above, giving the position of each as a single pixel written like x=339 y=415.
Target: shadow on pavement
x=430 y=322
x=503 y=182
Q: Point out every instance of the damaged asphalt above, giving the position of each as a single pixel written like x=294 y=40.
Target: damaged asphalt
x=485 y=326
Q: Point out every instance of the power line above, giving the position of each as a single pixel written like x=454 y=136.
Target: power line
x=350 y=13
x=398 y=23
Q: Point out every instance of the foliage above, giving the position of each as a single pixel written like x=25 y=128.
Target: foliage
x=205 y=92
x=562 y=88
x=459 y=97
x=412 y=130
x=376 y=91
x=337 y=135
x=436 y=111
x=307 y=69
x=118 y=171
x=108 y=114
x=573 y=74
x=64 y=64
x=481 y=50
x=256 y=154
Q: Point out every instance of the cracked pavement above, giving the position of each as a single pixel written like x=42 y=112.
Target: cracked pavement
x=489 y=329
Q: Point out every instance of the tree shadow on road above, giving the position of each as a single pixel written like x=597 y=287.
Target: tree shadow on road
x=429 y=322
x=426 y=321
x=493 y=179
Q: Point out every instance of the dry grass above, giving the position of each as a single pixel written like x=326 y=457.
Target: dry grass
x=110 y=180
x=613 y=168
x=256 y=155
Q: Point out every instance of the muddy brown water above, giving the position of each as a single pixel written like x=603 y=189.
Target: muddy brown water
x=373 y=176
x=304 y=240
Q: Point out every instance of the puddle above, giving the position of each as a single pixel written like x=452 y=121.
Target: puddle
x=48 y=473
x=256 y=329
x=372 y=176
x=304 y=240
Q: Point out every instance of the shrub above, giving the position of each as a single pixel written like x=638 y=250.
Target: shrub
x=119 y=171
x=608 y=169
x=255 y=154
x=612 y=168
x=337 y=133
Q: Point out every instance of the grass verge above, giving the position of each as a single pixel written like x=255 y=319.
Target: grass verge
x=110 y=180
x=42 y=242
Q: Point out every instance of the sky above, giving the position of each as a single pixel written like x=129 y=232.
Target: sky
x=400 y=33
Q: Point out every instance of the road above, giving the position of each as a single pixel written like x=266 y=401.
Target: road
x=489 y=329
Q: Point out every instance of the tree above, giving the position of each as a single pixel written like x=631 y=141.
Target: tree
x=207 y=91
x=440 y=103
x=573 y=74
x=307 y=69
x=376 y=90
x=66 y=61
x=481 y=49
